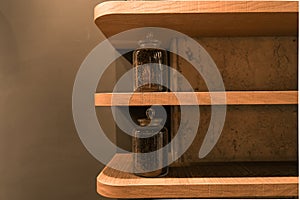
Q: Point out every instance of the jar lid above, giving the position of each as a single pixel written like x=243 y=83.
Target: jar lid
x=150 y=120
x=149 y=42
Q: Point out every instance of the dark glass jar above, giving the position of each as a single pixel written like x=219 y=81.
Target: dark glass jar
x=149 y=62
x=150 y=138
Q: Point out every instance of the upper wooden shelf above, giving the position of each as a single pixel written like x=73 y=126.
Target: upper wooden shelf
x=203 y=98
x=201 y=18
x=206 y=180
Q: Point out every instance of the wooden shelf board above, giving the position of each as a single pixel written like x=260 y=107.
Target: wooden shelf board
x=261 y=179
x=203 y=98
x=200 y=18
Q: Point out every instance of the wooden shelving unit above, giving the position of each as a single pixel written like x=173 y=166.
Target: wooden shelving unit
x=207 y=180
x=203 y=98
x=201 y=18
x=212 y=19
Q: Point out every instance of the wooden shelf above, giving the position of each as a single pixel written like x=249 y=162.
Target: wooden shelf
x=261 y=179
x=201 y=18
x=211 y=19
x=204 y=98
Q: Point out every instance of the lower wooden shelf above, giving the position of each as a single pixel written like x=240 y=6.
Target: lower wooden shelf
x=205 y=180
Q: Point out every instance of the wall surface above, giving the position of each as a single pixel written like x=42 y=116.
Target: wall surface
x=42 y=44
x=250 y=133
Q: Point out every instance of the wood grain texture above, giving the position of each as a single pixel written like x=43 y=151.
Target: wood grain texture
x=202 y=181
x=200 y=18
x=203 y=98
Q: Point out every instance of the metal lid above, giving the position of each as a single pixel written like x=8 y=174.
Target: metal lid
x=144 y=122
x=150 y=120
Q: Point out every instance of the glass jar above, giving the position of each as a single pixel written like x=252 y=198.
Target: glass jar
x=149 y=62
x=152 y=136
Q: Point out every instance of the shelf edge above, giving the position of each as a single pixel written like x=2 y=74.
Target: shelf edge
x=180 y=7
x=112 y=183
x=202 y=98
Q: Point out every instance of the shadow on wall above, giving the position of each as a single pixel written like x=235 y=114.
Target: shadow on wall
x=8 y=50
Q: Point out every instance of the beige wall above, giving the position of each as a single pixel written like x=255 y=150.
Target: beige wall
x=42 y=44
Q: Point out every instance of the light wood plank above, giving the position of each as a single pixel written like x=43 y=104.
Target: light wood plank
x=200 y=18
x=203 y=98
x=202 y=181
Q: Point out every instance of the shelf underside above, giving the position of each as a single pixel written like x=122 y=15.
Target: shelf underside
x=200 y=98
x=205 y=180
x=201 y=18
